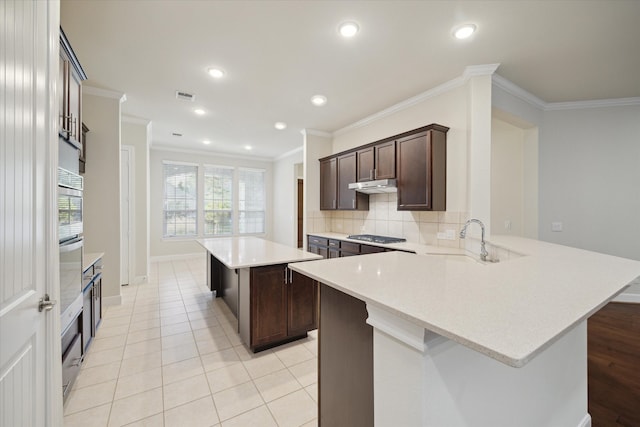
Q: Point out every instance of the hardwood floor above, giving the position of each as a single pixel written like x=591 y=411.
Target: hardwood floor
x=614 y=365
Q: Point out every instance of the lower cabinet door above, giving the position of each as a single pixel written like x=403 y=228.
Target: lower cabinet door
x=302 y=313
x=87 y=322
x=268 y=304
x=97 y=305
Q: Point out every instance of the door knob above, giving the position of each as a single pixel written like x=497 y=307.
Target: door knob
x=45 y=303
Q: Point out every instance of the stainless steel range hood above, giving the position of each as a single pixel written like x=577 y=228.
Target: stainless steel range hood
x=375 y=187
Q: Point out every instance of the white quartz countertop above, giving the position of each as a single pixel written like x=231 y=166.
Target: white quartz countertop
x=90 y=258
x=510 y=311
x=243 y=252
x=404 y=246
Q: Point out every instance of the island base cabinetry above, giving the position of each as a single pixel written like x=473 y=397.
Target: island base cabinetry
x=282 y=306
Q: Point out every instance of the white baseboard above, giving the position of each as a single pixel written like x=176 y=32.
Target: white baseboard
x=159 y=258
x=109 y=301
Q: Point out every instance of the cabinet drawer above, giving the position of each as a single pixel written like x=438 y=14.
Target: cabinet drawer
x=71 y=362
x=313 y=240
x=334 y=243
x=344 y=254
x=350 y=247
x=366 y=249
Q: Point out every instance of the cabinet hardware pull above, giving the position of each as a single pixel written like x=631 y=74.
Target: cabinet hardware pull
x=353 y=203
x=285 y=275
x=370 y=174
x=375 y=174
x=333 y=205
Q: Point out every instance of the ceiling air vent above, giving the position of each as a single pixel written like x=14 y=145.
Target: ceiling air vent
x=176 y=134
x=185 y=96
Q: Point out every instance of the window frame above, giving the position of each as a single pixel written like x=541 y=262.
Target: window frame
x=165 y=200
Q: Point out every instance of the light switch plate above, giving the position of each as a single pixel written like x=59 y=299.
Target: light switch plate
x=556 y=226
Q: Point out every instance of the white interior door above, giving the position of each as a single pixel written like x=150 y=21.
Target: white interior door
x=30 y=361
x=126 y=161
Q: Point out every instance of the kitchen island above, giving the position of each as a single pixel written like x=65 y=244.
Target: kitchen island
x=448 y=340
x=271 y=303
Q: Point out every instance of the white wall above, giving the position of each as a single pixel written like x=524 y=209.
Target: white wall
x=589 y=176
x=180 y=246
x=136 y=133
x=101 y=114
x=514 y=179
x=285 y=190
x=316 y=146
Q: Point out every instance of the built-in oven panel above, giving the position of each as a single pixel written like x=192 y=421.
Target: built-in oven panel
x=70 y=280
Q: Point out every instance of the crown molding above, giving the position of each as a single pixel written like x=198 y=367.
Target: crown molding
x=209 y=153
x=135 y=120
x=511 y=88
x=104 y=93
x=288 y=153
x=314 y=132
x=597 y=103
x=480 y=70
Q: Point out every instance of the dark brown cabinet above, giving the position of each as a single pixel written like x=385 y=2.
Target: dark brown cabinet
x=377 y=162
x=385 y=164
x=349 y=199
x=70 y=80
x=334 y=248
x=422 y=170
x=283 y=305
x=328 y=184
x=366 y=164
x=92 y=303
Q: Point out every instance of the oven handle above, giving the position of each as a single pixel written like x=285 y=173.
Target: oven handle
x=71 y=245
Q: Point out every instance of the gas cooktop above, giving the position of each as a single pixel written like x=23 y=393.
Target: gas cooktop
x=376 y=239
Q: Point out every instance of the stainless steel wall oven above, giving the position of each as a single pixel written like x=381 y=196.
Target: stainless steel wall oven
x=70 y=230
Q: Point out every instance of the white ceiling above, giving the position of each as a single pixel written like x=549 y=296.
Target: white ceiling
x=277 y=54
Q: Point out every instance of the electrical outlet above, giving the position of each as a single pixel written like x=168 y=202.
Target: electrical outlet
x=556 y=226
x=451 y=234
x=507 y=225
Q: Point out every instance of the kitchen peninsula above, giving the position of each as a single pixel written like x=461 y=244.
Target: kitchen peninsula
x=433 y=340
x=272 y=303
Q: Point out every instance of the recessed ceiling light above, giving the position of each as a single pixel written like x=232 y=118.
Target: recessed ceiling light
x=464 y=31
x=318 y=100
x=216 y=73
x=199 y=111
x=206 y=142
x=348 y=29
x=280 y=125
x=247 y=147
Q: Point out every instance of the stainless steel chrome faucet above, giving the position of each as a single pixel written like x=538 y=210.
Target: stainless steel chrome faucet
x=463 y=234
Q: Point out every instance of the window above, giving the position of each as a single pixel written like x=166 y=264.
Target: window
x=251 y=201
x=218 y=200
x=180 y=200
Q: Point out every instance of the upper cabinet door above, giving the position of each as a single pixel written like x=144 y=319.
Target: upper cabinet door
x=346 y=175
x=349 y=199
x=328 y=184
x=385 y=164
x=366 y=164
x=422 y=162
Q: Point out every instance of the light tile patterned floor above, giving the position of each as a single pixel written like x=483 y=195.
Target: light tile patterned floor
x=169 y=356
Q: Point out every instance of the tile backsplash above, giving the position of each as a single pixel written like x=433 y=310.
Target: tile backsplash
x=384 y=219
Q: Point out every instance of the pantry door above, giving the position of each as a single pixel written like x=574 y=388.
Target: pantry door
x=30 y=364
